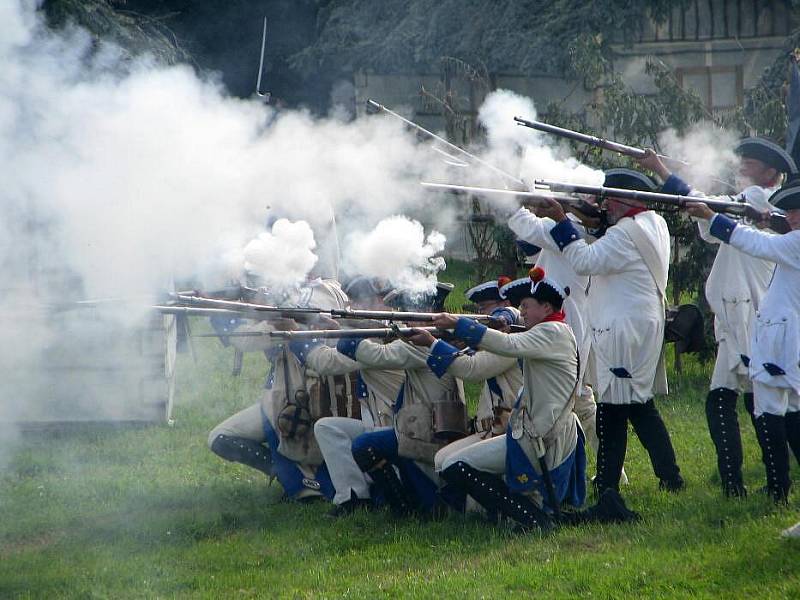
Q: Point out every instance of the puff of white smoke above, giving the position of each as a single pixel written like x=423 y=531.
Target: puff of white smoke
x=526 y=152
x=708 y=150
x=282 y=257
x=397 y=250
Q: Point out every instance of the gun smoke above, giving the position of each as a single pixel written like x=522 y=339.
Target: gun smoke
x=123 y=176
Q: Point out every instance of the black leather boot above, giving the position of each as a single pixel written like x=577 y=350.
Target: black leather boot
x=653 y=435
x=493 y=494
x=383 y=474
x=612 y=434
x=771 y=432
x=241 y=450
x=610 y=508
x=750 y=407
x=723 y=425
x=793 y=433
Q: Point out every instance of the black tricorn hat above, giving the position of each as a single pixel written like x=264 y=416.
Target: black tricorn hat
x=787 y=197
x=628 y=179
x=768 y=152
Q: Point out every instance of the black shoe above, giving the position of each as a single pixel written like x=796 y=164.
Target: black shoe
x=610 y=508
x=349 y=507
x=674 y=485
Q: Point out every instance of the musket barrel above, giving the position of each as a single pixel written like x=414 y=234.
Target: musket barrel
x=388 y=315
x=584 y=138
x=536 y=194
x=247 y=306
x=190 y=311
x=374 y=107
x=381 y=332
x=737 y=208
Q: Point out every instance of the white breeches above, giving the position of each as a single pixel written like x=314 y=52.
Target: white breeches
x=335 y=437
x=485 y=455
x=247 y=424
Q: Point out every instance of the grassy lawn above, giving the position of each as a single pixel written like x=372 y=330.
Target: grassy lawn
x=150 y=512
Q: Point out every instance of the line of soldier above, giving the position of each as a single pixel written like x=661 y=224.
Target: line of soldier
x=589 y=361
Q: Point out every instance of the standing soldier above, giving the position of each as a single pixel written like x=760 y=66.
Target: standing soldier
x=628 y=266
x=734 y=290
x=533 y=229
x=775 y=342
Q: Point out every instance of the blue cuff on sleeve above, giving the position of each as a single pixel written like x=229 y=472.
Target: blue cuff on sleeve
x=722 y=227
x=470 y=331
x=564 y=233
x=301 y=348
x=348 y=347
x=441 y=357
x=675 y=185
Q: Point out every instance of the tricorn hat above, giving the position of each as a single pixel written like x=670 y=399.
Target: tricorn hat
x=768 y=152
x=628 y=179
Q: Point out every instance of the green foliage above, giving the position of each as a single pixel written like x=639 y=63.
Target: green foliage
x=108 y=20
x=508 y=36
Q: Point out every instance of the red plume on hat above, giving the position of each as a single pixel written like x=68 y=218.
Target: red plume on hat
x=536 y=274
x=502 y=280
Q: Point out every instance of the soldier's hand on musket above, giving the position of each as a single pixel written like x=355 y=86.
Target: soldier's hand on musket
x=553 y=209
x=653 y=162
x=699 y=210
x=445 y=320
x=420 y=337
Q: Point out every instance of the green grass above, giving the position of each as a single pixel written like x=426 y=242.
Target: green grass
x=150 y=512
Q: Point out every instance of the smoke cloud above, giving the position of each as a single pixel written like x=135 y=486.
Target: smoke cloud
x=397 y=250
x=122 y=177
x=282 y=257
x=708 y=150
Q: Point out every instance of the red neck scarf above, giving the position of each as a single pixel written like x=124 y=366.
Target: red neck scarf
x=556 y=316
x=635 y=211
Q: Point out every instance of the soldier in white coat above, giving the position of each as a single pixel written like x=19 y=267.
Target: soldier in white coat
x=628 y=266
x=533 y=229
x=540 y=462
x=274 y=435
x=377 y=391
x=400 y=459
x=734 y=290
x=775 y=340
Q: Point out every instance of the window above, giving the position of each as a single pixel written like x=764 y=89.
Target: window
x=719 y=88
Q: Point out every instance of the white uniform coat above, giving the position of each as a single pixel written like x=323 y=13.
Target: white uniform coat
x=550 y=375
x=536 y=230
x=383 y=385
x=734 y=290
x=325 y=294
x=627 y=306
x=776 y=334
x=422 y=390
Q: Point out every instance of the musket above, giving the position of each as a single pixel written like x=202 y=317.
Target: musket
x=249 y=309
x=259 y=93
x=593 y=140
x=380 y=332
x=398 y=316
x=198 y=312
x=375 y=107
x=589 y=210
x=777 y=219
